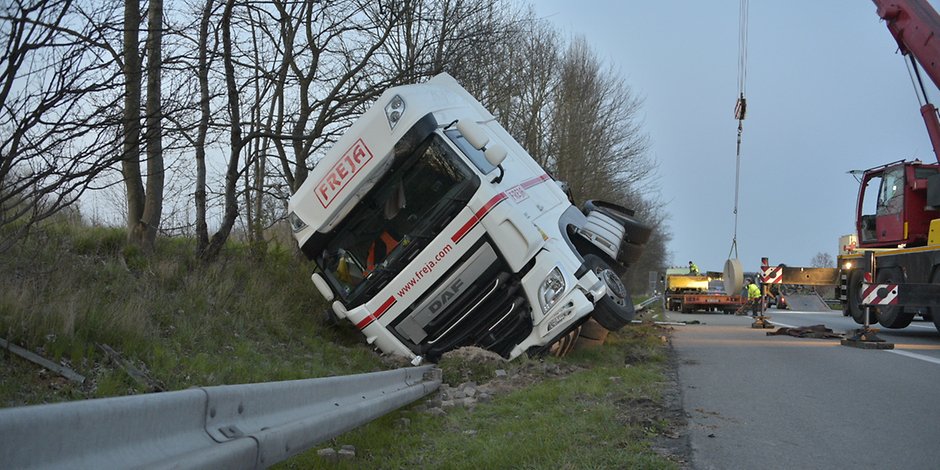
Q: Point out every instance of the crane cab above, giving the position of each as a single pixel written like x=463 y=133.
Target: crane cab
x=893 y=209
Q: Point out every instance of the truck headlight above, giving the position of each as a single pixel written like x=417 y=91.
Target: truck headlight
x=296 y=223
x=551 y=289
x=393 y=110
x=847 y=265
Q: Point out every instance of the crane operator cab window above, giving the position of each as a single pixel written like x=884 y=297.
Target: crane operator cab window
x=883 y=197
x=891 y=195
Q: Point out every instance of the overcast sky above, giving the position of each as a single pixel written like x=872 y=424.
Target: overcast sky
x=826 y=94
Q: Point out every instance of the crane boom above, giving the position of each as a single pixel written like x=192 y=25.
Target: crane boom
x=915 y=26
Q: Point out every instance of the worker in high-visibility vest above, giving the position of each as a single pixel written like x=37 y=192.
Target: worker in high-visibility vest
x=693 y=269
x=753 y=297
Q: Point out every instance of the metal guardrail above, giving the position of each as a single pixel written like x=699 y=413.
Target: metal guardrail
x=646 y=303
x=229 y=426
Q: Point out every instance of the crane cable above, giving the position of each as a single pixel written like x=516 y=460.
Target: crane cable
x=740 y=109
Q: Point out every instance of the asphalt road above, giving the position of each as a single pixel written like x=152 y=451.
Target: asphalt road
x=757 y=401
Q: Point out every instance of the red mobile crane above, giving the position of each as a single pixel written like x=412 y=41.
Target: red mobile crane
x=898 y=211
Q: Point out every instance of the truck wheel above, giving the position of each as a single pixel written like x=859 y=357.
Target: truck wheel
x=615 y=309
x=934 y=313
x=634 y=230
x=854 y=294
x=892 y=316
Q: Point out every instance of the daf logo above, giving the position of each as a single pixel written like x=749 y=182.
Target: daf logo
x=446 y=297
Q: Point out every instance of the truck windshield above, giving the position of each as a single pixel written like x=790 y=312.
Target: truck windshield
x=396 y=219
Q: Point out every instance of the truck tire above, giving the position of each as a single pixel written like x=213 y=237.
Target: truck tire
x=892 y=316
x=634 y=231
x=854 y=294
x=671 y=306
x=934 y=313
x=614 y=310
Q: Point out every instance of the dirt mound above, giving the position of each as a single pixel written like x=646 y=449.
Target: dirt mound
x=473 y=354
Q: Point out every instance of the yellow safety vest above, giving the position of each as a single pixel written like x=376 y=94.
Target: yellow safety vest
x=753 y=291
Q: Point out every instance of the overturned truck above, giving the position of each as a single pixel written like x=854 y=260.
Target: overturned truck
x=433 y=229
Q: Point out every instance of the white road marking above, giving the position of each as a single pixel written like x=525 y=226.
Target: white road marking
x=923 y=326
x=914 y=355
x=776 y=323
x=806 y=312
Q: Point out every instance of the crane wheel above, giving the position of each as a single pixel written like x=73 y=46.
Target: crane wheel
x=935 y=312
x=854 y=294
x=892 y=316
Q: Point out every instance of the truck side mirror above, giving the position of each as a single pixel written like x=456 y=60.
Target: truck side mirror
x=495 y=154
x=474 y=134
x=322 y=286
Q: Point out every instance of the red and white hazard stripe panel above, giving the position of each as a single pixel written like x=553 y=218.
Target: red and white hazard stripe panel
x=771 y=275
x=879 y=294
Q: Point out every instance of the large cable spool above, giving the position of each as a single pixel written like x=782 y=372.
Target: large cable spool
x=733 y=277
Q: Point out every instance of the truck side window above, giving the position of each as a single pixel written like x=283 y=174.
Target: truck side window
x=476 y=156
x=891 y=196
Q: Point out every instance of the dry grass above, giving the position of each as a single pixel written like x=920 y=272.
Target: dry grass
x=248 y=317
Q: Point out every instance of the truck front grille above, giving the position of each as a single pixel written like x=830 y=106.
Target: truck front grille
x=490 y=311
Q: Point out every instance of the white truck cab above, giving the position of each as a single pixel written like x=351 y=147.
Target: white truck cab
x=432 y=229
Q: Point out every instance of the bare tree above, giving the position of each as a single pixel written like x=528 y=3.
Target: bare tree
x=235 y=139
x=536 y=67
x=311 y=68
x=822 y=260
x=130 y=158
x=333 y=87
x=57 y=81
x=202 y=73
x=293 y=77
x=597 y=141
x=144 y=232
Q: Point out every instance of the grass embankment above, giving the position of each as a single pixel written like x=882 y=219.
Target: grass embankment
x=256 y=317
x=603 y=411
x=247 y=318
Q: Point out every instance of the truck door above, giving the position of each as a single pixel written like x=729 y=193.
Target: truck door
x=889 y=211
x=881 y=207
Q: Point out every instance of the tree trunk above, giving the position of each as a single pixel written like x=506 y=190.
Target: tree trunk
x=235 y=140
x=153 y=205
x=130 y=161
x=202 y=227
